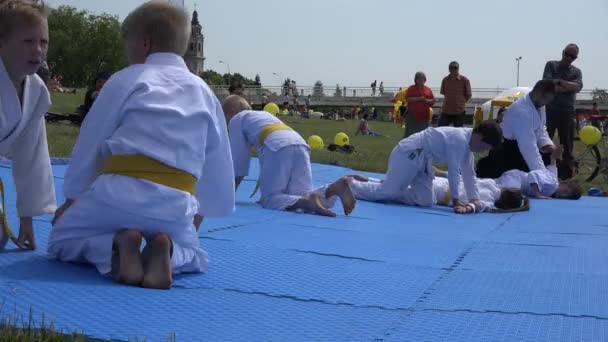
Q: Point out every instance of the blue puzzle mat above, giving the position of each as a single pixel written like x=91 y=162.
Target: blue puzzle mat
x=387 y=273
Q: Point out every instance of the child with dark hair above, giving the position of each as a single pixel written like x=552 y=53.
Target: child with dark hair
x=98 y=83
x=410 y=164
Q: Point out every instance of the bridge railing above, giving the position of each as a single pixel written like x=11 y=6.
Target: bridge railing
x=360 y=92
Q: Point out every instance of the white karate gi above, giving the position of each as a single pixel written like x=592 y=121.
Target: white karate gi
x=545 y=178
x=161 y=110
x=488 y=192
x=411 y=164
x=526 y=124
x=285 y=171
x=23 y=137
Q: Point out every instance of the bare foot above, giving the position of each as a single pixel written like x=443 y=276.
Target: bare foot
x=314 y=205
x=157 y=263
x=127 y=265
x=346 y=195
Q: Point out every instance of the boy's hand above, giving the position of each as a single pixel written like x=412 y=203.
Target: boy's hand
x=548 y=149
x=198 y=219
x=457 y=203
x=59 y=212
x=477 y=205
x=557 y=152
x=461 y=209
x=26 y=239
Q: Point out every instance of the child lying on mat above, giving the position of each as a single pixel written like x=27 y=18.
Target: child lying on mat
x=491 y=198
x=285 y=172
x=24 y=100
x=542 y=184
x=152 y=157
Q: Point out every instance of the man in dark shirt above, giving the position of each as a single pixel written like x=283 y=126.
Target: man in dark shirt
x=560 y=113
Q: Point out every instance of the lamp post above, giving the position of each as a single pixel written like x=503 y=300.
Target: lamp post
x=228 y=66
x=518 y=59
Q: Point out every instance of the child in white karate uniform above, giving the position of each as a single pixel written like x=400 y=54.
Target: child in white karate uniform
x=492 y=198
x=542 y=183
x=410 y=163
x=24 y=100
x=153 y=158
x=285 y=179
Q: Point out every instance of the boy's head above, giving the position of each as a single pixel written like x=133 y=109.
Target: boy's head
x=233 y=105
x=236 y=88
x=155 y=26
x=543 y=92
x=570 y=189
x=24 y=36
x=100 y=80
x=486 y=136
x=509 y=199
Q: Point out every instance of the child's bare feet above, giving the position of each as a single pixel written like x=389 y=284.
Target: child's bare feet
x=314 y=205
x=127 y=265
x=346 y=195
x=157 y=262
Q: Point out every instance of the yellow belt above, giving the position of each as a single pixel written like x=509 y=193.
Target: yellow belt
x=446 y=198
x=266 y=131
x=4 y=218
x=269 y=129
x=143 y=167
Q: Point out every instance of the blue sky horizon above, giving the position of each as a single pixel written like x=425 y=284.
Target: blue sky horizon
x=352 y=42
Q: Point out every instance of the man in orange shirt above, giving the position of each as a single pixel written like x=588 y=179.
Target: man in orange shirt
x=456 y=90
x=420 y=99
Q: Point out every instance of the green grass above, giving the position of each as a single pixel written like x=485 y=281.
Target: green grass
x=66 y=102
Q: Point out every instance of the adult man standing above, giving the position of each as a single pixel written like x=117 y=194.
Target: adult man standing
x=456 y=90
x=560 y=113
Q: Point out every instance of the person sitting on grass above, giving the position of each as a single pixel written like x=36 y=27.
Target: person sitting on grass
x=285 y=179
x=363 y=127
x=98 y=83
x=152 y=160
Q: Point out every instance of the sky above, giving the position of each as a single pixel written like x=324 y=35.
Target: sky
x=353 y=42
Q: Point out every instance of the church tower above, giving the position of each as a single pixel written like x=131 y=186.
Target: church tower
x=194 y=57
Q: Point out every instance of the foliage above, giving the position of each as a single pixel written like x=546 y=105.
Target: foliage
x=83 y=44
x=599 y=95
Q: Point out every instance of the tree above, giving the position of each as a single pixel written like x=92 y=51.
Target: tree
x=599 y=95
x=257 y=80
x=213 y=78
x=338 y=92
x=317 y=90
x=83 y=44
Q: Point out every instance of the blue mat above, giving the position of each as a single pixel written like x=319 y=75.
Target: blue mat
x=388 y=273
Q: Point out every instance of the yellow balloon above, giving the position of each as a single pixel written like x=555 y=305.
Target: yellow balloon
x=590 y=135
x=272 y=108
x=315 y=142
x=341 y=139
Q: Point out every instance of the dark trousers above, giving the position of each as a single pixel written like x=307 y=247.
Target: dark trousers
x=564 y=123
x=504 y=158
x=451 y=119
